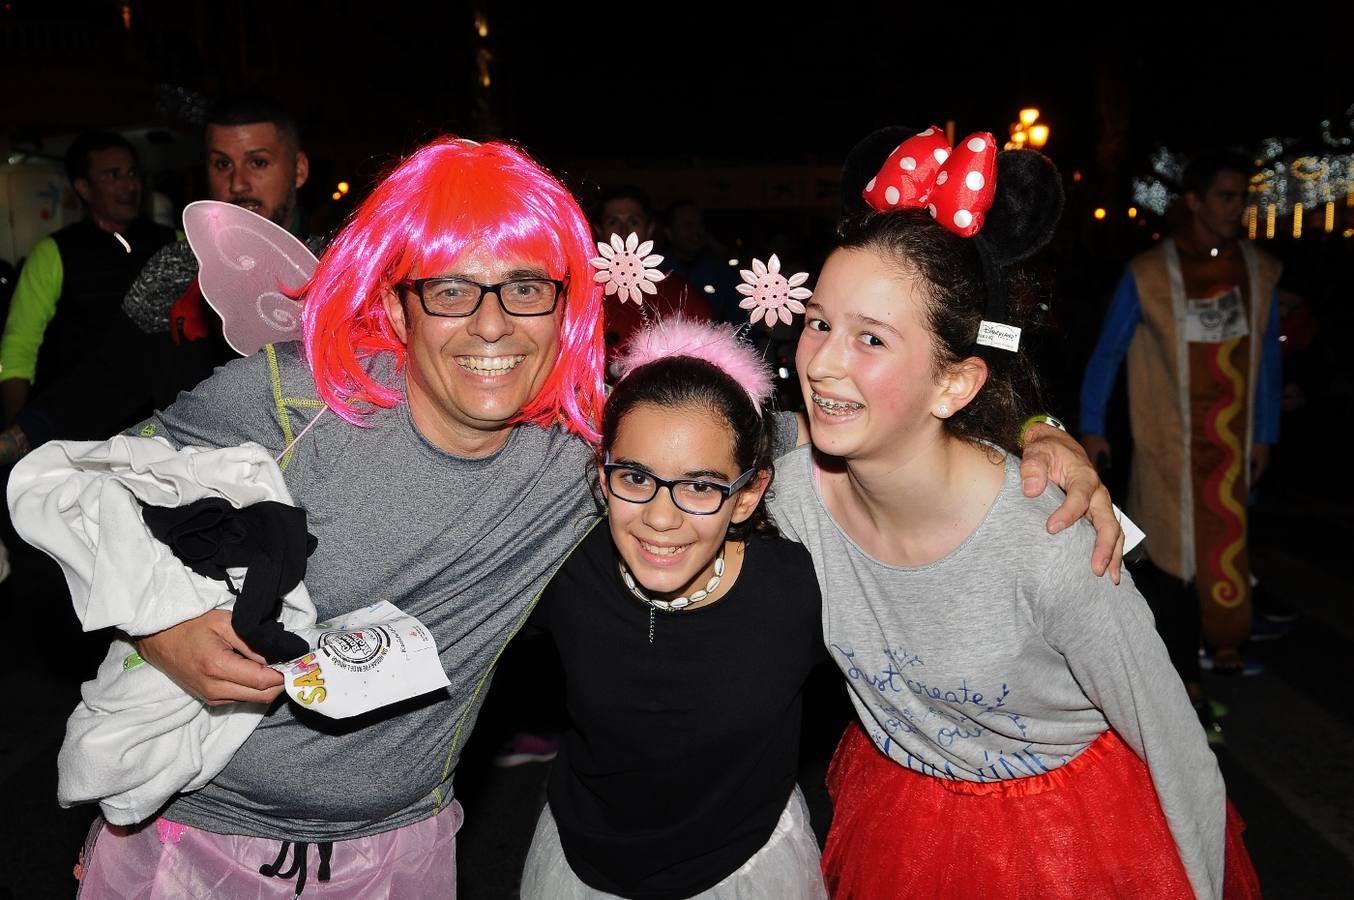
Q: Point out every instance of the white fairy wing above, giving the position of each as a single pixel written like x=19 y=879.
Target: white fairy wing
x=248 y=267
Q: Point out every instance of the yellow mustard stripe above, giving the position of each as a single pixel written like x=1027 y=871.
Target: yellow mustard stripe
x=479 y=686
x=1229 y=592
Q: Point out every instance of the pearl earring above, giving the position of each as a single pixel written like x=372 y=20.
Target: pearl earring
x=943 y=410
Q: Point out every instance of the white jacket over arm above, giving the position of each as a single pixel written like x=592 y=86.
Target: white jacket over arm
x=137 y=738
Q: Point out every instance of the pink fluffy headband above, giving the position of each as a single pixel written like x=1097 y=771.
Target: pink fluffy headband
x=718 y=345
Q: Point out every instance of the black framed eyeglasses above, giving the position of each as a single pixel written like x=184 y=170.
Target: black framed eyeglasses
x=460 y=297
x=700 y=498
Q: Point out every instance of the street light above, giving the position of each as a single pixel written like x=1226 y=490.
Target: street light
x=1028 y=131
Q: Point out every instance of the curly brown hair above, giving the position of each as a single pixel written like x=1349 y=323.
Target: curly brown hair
x=953 y=270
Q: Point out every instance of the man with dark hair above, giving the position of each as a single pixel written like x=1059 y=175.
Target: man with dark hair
x=1198 y=319
x=624 y=210
x=695 y=258
x=70 y=286
x=169 y=340
x=254 y=160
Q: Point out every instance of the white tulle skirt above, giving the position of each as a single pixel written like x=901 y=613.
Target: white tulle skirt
x=786 y=868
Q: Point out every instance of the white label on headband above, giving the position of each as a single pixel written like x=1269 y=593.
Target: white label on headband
x=995 y=334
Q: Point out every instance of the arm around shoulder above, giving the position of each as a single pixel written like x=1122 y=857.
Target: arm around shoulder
x=1051 y=454
x=788 y=431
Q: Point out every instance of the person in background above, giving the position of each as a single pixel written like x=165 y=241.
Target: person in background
x=73 y=281
x=693 y=257
x=1198 y=319
x=626 y=210
x=165 y=339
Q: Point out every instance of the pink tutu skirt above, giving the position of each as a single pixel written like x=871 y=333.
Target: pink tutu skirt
x=164 y=860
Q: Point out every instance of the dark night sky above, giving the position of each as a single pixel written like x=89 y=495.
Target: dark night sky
x=628 y=91
x=706 y=82
x=748 y=84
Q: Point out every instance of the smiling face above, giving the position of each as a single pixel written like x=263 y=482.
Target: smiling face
x=468 y=378
x=671 y=552
x=865 y=359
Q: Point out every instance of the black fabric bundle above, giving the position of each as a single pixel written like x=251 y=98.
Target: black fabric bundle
x=268 y=538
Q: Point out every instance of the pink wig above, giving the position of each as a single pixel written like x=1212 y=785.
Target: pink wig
x=448 y=197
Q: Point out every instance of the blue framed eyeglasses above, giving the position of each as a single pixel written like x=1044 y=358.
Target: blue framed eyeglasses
x=698 y=497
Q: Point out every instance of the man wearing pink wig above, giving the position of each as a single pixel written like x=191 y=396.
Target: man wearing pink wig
x=445 y=400
x=457 y=305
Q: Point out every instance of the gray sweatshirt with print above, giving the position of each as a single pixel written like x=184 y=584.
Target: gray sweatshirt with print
x=1008 y=657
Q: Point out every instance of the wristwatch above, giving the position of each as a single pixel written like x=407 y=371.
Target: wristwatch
x=1040 y=417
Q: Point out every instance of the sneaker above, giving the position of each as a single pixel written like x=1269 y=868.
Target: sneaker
x=1264 y=628
x=1208 y=718
x=527 y=748
x=1247 y=667
x=1279 y=616
x=1271 y=608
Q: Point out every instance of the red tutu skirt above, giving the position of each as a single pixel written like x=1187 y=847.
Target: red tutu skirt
x=1090 y=828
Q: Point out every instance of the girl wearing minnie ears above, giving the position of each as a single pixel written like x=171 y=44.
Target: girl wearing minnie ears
x=686 y=627
x=1021 y=729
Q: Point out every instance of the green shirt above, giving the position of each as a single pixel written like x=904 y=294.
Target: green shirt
x=32 y=307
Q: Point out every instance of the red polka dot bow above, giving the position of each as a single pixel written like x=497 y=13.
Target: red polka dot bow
x=955 y=186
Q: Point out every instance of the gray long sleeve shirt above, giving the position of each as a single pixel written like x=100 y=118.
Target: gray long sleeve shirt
x=463 y=544
x=1007 y=657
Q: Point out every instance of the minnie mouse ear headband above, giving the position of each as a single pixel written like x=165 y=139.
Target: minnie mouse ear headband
x=864 y=161
x=1008 y=202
